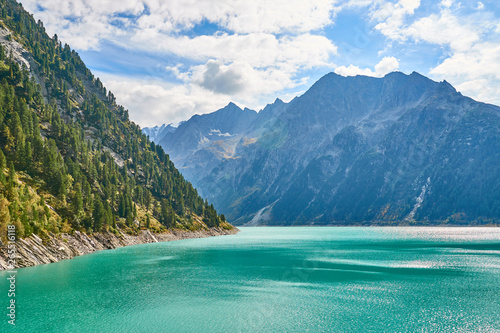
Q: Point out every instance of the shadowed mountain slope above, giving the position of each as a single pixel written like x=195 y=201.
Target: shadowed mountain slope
x=350 y=150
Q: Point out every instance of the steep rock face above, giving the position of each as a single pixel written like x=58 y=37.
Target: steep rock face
x=22 y=57
x=200 y=131
x=204 y=140
x=352 y=150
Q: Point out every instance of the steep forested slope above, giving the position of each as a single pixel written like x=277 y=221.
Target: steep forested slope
x=70 y=158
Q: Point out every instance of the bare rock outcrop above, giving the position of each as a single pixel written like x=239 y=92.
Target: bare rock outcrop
x=33 y=250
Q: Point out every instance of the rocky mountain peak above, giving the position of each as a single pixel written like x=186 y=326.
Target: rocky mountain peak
x=349 y=150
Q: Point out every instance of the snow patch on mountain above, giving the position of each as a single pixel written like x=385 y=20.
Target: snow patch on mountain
x=218 y=133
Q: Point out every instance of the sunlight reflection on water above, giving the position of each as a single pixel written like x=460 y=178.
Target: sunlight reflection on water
x=276 y=280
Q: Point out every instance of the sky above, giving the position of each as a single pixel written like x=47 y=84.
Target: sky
x=166 y=60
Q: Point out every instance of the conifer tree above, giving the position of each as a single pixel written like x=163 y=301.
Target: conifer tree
x=2 y=167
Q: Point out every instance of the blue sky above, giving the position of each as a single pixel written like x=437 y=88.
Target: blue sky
x=166 y=60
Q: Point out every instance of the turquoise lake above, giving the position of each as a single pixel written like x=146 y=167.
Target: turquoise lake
x=298 y=279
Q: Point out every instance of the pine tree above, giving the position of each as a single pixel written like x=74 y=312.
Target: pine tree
x=12 y=176
x=98 y=215
x=8 y=141
x=77 y=200
x=2 y=167
x=4 y=218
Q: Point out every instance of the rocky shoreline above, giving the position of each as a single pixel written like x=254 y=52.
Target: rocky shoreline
x=33 y=250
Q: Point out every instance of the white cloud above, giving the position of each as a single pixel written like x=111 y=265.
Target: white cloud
x=391 y=16
x=228 y=80
x=444 y=29
x=242 y=81
x=482 y=90
x=470 y=44
x=176 y=70
x=447 y=3
x=480 y=6
x=258 y=50
x=153 y=102
x=475 y=71
x=280 y=16
x=386 y=65
x=240 y=16
x=483 y=59
x=246 y=67
x=357 y=3
x=73 y=19
x=82 y=23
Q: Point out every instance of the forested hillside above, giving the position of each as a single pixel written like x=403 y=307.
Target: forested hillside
x=70 y=158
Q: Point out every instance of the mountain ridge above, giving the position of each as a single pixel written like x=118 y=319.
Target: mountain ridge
x=354 y=150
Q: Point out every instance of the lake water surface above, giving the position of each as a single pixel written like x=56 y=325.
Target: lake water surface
x=299 y=279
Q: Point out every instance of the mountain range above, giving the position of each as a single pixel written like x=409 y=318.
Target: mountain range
x=350 y=150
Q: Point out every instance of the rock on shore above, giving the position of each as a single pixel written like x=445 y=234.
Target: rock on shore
x=33 y=250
